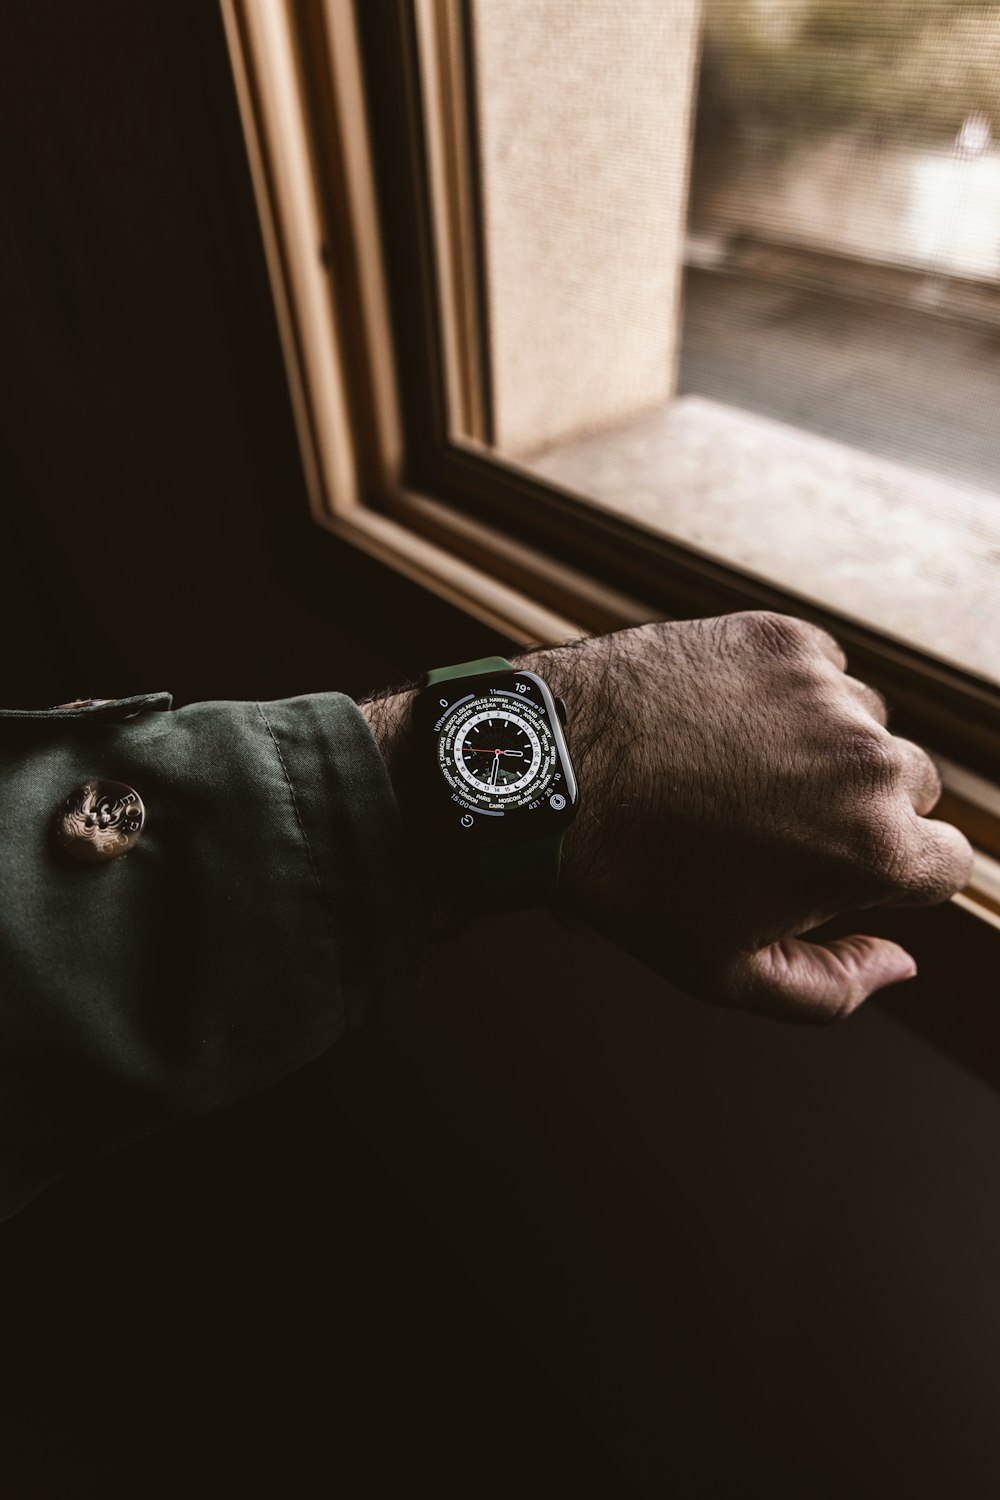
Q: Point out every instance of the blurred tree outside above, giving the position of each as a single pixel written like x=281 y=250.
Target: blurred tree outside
x=891 y=70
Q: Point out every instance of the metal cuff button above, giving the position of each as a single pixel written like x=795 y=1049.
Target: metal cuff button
x=99 y=821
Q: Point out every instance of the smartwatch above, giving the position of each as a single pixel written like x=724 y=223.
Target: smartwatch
x=492 y=789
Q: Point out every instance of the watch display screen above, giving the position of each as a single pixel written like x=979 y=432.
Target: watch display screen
x=497 y=751
x=498 y=756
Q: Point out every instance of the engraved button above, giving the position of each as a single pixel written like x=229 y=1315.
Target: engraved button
x=100 y=821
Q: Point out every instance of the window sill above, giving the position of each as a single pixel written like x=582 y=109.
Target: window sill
x=697 y=471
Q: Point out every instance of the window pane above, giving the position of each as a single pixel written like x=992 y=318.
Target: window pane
x=741 y=266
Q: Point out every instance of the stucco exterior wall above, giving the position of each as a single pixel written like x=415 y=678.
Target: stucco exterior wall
x=584 y=113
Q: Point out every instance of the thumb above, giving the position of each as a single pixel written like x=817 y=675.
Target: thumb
x=795 y=980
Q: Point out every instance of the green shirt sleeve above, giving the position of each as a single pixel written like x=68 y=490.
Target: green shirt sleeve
x=263 y=912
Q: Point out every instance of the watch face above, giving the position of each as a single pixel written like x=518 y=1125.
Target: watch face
x=499 y=755
x=497 y=752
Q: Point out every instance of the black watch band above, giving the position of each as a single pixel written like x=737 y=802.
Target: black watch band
x=516 y=872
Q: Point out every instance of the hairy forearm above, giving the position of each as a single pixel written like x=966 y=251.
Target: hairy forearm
x=389 y=717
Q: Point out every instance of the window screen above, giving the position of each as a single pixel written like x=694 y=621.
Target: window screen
x=740 y=269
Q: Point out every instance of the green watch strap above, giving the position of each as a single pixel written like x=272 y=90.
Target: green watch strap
x=469 y=669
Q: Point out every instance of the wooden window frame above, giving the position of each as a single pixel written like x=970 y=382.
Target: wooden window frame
x=369 y=226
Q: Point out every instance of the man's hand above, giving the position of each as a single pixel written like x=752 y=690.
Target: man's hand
x=738 y=790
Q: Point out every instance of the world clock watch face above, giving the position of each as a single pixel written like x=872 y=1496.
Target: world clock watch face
x=497 y=752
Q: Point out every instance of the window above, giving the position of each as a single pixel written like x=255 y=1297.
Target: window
x=838 y=244
x=595 y=312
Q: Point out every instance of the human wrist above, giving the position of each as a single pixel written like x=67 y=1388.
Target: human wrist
x=389 y=716
x=391 y=720
x=587 y=675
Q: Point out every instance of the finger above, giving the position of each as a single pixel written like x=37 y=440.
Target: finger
x=870 y=698
x=795 y=980
x=936 y=863
x=920 y=775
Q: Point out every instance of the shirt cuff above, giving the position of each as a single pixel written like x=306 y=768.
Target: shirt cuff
x=265 y=910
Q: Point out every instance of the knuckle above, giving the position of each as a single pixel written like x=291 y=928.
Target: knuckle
x=822 y=643
x=770 y=631
x=874 y=702
x=916 y=763
x=923 y=885
x=774 y=630
x=928 y=863
x=932 y=773
x=942 y=867
x=867 y=753
x=788 y=636
x=874 y=846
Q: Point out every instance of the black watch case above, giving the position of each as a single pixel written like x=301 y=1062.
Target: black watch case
x=490 y=762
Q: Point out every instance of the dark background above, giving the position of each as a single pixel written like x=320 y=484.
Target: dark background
x=559 y=1231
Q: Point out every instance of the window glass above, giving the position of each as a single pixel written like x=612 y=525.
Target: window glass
x=741 y=283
